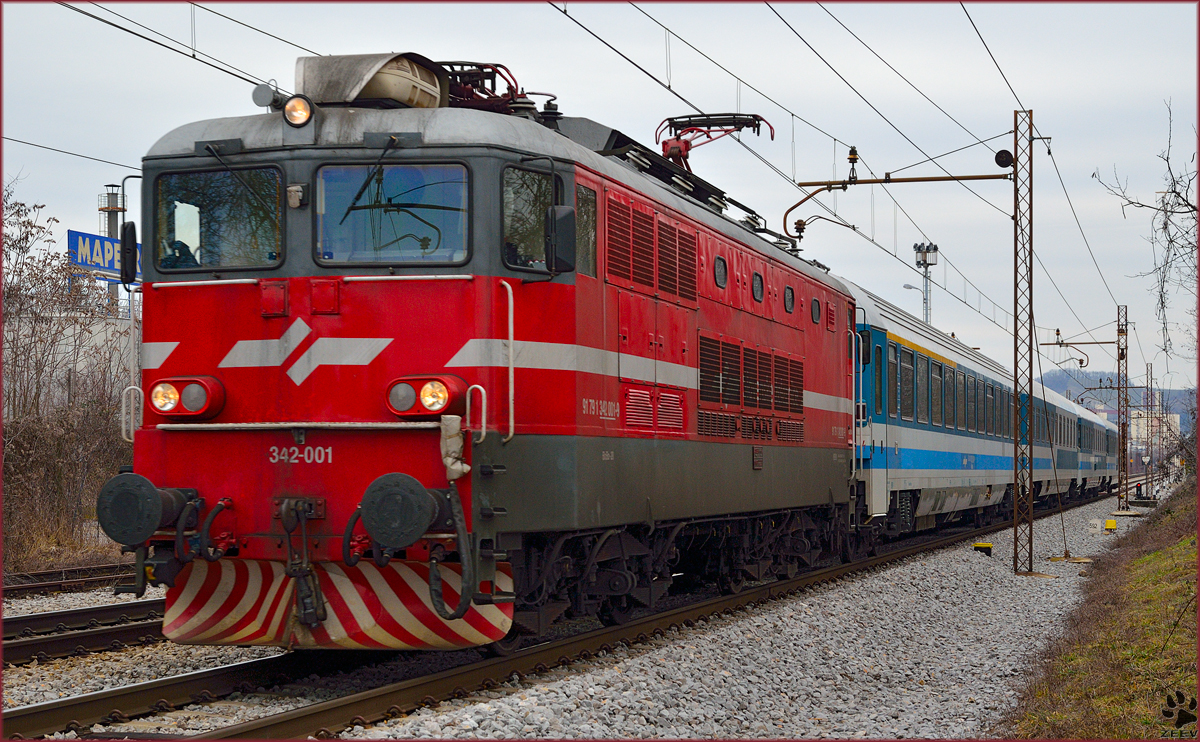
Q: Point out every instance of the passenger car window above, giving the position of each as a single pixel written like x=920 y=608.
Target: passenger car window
x=935 y=387
x=971 y=403
x=893 y=380
x=906 y=384
x=879 y=392
x=922 y=389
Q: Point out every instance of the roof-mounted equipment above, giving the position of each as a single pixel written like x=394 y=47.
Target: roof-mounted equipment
x=686 y=130
x=373 y=80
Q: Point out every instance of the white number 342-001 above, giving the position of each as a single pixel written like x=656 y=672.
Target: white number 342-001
x=297 y=455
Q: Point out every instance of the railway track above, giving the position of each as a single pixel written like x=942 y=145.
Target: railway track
x=327 y=718
x=64 y=580
x=43 y=636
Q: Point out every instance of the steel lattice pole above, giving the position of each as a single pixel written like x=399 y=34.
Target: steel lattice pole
x=1023 y=341
x=1148 y=421
x=1122 y=407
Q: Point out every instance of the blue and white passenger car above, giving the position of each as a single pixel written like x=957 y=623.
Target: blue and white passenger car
x=934 y=430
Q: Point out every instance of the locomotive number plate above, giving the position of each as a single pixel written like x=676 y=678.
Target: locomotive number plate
x=298 y=455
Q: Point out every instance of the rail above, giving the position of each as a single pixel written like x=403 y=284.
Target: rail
x=323 y=719
x=31 y=624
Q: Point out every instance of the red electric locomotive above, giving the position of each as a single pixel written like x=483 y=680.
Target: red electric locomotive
x=425 y=367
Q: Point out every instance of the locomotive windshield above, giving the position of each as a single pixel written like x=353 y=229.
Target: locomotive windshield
x=392 y=213
x=227 y=219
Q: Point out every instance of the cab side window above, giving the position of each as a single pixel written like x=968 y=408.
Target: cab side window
x=585 y=231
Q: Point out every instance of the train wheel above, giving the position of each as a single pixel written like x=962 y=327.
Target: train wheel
x=506 y=646
x=616 y=611
x=731 y=585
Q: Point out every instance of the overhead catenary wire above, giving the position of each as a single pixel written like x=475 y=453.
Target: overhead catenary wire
x=862 y=160
x=993 y=56
x=73 y=154
x=953 y=151
x=727 y=71
x=1049 y=152
x=779 y=172
x=836 y=140
x=877 y=111
x=255 y=28
x=905 y=79
x=227 y=69
x=1080 y=226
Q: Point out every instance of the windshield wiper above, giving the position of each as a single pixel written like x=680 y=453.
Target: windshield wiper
x=272 y=211
x=377 y=167
x=390 y=206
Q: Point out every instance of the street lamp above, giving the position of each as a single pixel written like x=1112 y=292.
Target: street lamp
x=927 y=255
x=915 y=288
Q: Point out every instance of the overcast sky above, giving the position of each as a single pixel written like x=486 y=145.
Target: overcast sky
x=1097 y=77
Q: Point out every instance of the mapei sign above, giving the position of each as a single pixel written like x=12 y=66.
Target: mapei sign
x=99 y=254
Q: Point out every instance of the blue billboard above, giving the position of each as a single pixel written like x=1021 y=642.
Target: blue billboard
x=99 y=254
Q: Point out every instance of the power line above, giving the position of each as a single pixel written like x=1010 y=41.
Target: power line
x=989 y=51
x=944 y=154
x=159 y=43
x=835 y=139
x=735 y=77
x=176 y=41
x=1069 y=307
x=253 y=28
x=905 y=79
x=73 y=154
x=1078 y=224
x=1061 y=181
x=877 y=111
x=784 y=175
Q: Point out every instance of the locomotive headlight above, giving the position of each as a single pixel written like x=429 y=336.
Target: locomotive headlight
x=194 y=397
x=434 y=396
x=164 y=397
x=297 y=110
x=402 y=397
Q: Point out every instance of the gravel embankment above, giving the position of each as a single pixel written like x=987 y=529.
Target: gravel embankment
x=933 y=646
x=72 y=676
x=23 y=605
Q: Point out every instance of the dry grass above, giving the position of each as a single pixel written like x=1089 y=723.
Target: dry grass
x=1131 y=642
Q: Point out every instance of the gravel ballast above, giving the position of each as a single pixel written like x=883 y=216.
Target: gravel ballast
x=933 y=646
x=23 y=605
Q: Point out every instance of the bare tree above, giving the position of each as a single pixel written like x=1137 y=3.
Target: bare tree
x=64 y=351
x=1173 y=244
x=1172 y=235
